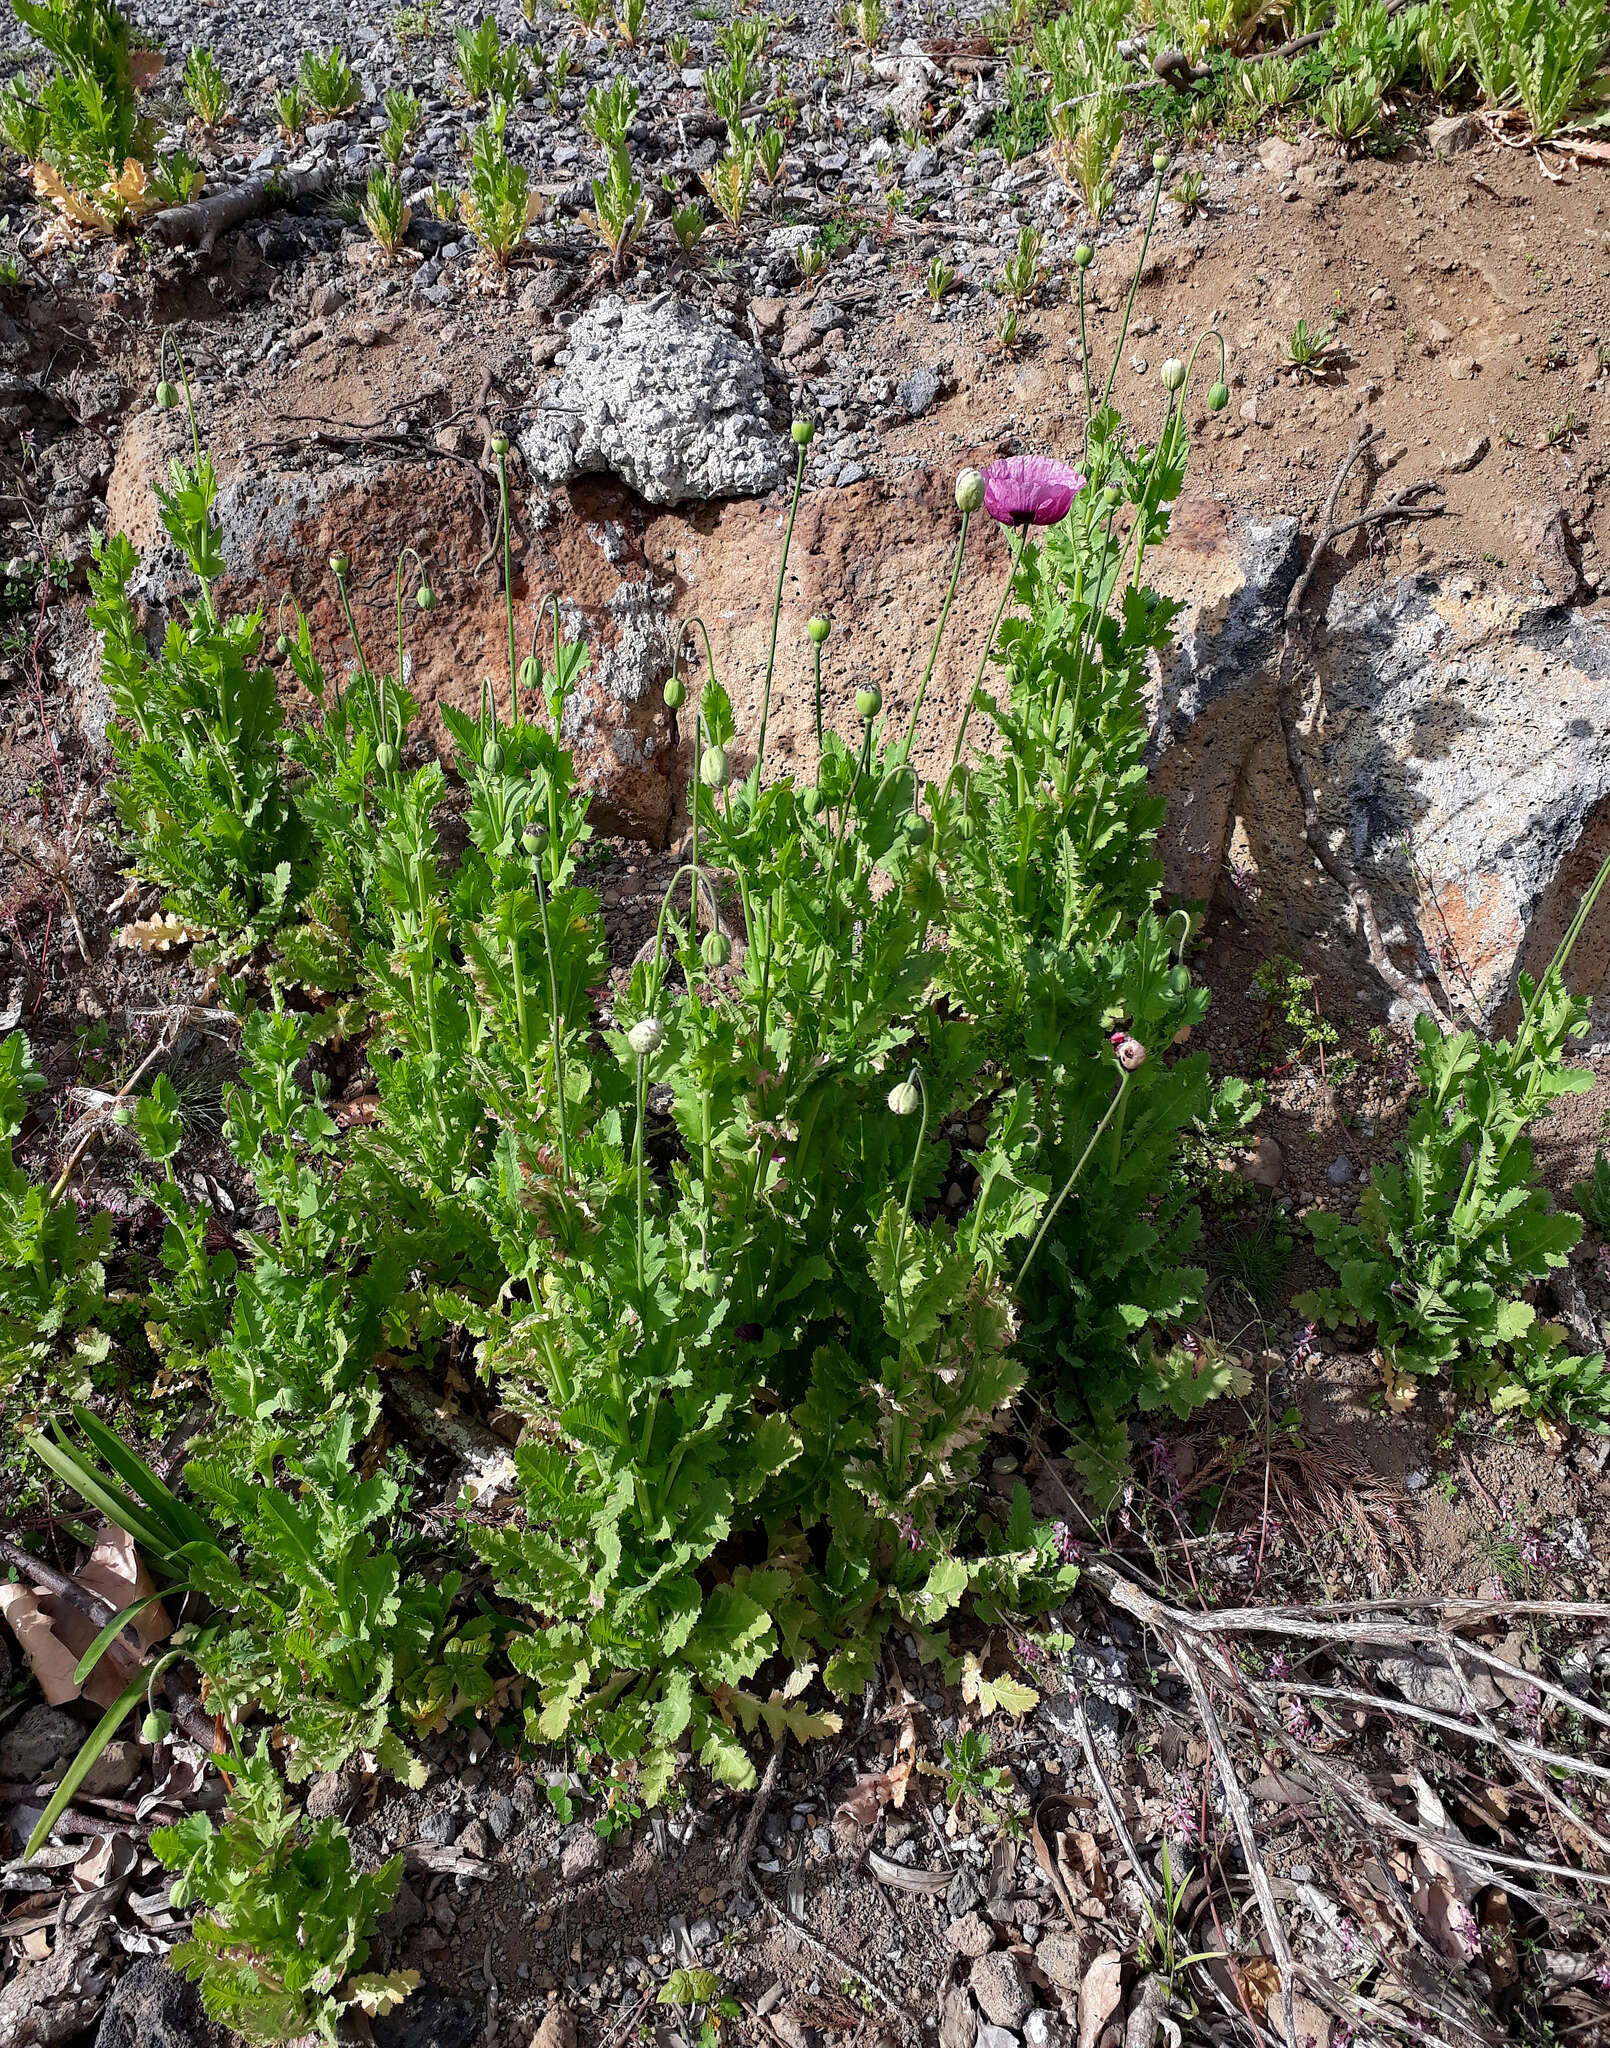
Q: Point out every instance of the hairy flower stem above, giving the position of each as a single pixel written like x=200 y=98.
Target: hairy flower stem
x=637 y=1156
x=365 y=675
x=905 y=1205
x=557 y=1026
x=816 y=650
x=1067 y=1186
x=1016 y=546
x=903 y=751
x=776 y=614
x=1134 y=283
x=508 y=592
x=1084 y=360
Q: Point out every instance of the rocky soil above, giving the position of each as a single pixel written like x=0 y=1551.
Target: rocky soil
x=1460 y=739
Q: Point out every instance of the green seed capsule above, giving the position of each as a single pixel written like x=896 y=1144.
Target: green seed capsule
x=1218 y=397
x=818 y=629
x=167 y=395
x=122 y=1116
x=492 y=758
x=804 y=433
x=716 y=950
x=386 y=758
x=533 y=836
x=1159 y=161
x=1084 y=255
x=676 y=693
x=338 y=565
x=714 y=771
x=500 y=444
x=425 y=598
x=868 y=702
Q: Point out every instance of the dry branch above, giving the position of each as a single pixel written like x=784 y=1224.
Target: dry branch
x=199 y=224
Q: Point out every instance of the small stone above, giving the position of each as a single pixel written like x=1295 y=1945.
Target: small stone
x=1263 y=1164
x=965 y=1894
x=429 y=2018
x=1462 y=368
x=439 y=1828
x=584 y=1857
x=1340 y=1171
x=1450 y=134
x=558 y=2029
x=1060 y=1957
x=1460 y=465
x=997 y=1983
x=500 y=1817
x=919 y=392
x=995 y=2037
x=958 y=2023
x=768 y=314
x=152 y=2007
x=327 y=301
x=41 y=1741
x=113 y=1771
x=476 y=1840
x=1040 y=2030
x=971 y=1936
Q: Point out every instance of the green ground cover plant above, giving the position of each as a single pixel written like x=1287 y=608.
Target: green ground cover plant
x=694 y=1226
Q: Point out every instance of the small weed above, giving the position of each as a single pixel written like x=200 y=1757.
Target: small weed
x=206 y=89
x=938 y=279
x=328 y=81
x=385 y=212
x=1308 y=352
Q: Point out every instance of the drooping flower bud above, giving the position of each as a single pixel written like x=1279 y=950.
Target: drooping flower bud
x=167 y=394
x=969 y=491
x=904 y=1099
x=804 y=433
x=1131 y=1054
x=868 y=701
x=1173 y=374
x=918 y=829
x=817 y=629
x=155 y=1726
x=492 y=758
x=1179 y=980
x=1218 y=397
x=530 y=673
x=675 y=693
x=716 y=950
x=715 y=772
x=810 y=801
x=425 y=598
x=646 y=1037
x=386 y=758
x=283 y=643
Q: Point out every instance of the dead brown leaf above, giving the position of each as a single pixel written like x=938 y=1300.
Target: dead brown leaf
x=1099 y=1996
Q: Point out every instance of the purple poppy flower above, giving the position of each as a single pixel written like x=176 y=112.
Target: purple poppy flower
x=1030 y=490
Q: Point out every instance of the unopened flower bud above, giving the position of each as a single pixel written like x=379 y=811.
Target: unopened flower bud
x=969 y=491
x=1084 y=255
x=675 y=693
x=810 y=801
x=918 y=829
x=283 y=643
x=167 y=394
x=716 y=950
x=386 y=758
x=1218 y=397
x=492 y=758
x=1173 y=374
x=868 y=701
x=646 y=1037
x=904 y=1099
x=530 y=674
x=804 y=433
x=155 y=1726
x=817 y=629
x=1131 y=1054
x=714 y=770
x=425 y=598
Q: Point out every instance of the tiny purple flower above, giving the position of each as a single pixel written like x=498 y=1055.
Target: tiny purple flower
x=1030 y=490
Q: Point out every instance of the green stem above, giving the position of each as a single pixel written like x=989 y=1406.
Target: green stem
x=816 y=649
x=903 y=752
x=1084 y=362
x=642 y=1108
x=776 y=613
x=508 y=586
x=1067 y=1185
x=1134 y=284
x=989 y=648
x=557 y=1025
